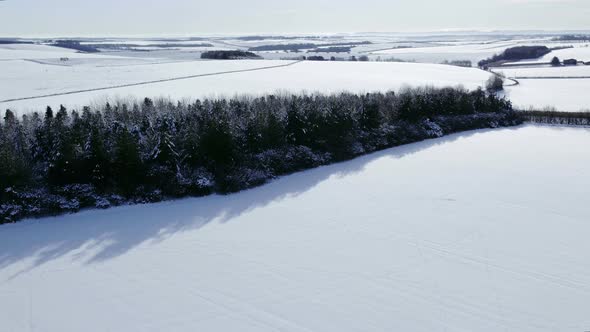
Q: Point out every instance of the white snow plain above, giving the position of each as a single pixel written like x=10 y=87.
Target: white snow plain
x=545 y=71
x=292 y=77
x=564 y=95
x=479 y=231
x=473 y=51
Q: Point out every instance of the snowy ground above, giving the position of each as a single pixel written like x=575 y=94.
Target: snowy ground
x=545 y=71
x=41 y=78
x=581 y=52
x=565 y=95
x=473 y=50
x=85 y=75
x=564 y=88
x=36 y=70
x=437 y=54
x=472 y=232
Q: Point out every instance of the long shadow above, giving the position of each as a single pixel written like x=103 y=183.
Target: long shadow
x=98 y=235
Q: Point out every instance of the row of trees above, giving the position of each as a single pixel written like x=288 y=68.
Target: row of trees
x=551 y=116
x=146 y=151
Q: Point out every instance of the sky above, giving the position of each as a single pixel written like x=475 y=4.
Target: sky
x=29 y=18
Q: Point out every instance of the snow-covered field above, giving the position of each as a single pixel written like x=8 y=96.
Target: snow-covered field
x=437 y=54
x=564 y=88
x=36 y=71
x=565 y=95
x=545 y=71
x=25 y=79
x=580 y=52
x=30 y=79
x=453 y=234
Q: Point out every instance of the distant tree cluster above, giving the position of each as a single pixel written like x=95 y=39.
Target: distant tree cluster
x=315 y=58
x=133 y=152
x=75 y=45
x=516 y=54
x=229 y=55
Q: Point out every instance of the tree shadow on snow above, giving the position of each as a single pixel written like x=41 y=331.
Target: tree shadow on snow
x=94 y=236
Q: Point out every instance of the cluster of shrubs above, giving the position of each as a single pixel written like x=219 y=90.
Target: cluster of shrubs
x=133 y=152
x=495 y=84
x=516 y=54
x=229 y=55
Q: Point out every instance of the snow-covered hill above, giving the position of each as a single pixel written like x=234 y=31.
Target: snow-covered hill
x=69 y=82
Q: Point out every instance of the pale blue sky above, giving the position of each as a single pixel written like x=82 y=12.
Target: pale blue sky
x=183 y=17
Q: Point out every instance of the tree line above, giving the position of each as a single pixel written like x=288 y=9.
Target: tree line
x=515 y=54
x=558 y=118
x=145 y=151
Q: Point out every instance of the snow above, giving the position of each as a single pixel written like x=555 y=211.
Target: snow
x=563 y=88
x=36 y=70
x=23 y=79
x=452 y=234
x=545 y=71
x=35 y=51
x=437 y=54
x=290 y=77
x=581 y=52
x=565 y=95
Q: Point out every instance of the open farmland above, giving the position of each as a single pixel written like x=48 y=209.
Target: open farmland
x=69 y=83
x=565 y=95
x=39 y=77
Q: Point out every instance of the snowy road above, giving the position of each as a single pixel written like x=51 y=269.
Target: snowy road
x=480 y=231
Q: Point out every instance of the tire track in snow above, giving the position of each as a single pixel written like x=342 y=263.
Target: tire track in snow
x=150 y=82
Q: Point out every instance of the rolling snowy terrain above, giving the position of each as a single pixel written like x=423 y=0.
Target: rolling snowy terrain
x=35 y=77
x=565 y=95
x=80 y=83
x=451 y=234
